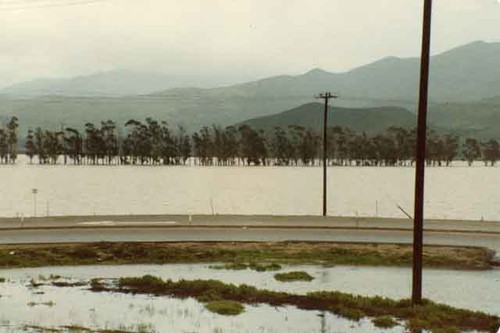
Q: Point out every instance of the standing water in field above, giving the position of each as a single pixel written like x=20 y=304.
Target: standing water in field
x=28 y=298
x=457 y=192
x=440 y=285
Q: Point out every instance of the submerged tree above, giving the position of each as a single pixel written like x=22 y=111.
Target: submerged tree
x=4 y=146
x=491 y=152
x=8 y=140
x=73 y=144
x=109 y=141
x=252 y=145
x=471 y=150
x=30 y=145
x=282 y=147
x=12 y=126
x=183 y=144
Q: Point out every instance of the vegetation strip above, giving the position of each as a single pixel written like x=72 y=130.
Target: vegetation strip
x=429 y=315
x=237 y=266
x=76 y=329
x=327 y=253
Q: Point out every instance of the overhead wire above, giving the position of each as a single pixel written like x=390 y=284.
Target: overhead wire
x=17 y=5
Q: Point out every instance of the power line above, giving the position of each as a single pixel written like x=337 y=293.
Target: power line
x=27 y=2
x=36 y=3
x=42 y=4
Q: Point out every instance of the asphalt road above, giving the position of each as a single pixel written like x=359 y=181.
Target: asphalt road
x=20 y=236
x=270 y=221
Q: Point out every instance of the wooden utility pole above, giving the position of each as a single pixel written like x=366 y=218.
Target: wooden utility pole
x=418 y=227
x=326 y=97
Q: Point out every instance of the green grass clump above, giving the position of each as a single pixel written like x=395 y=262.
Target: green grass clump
x=293 y=276
x=147 y=284
x=230 y=266
x=226 y=308
x=265 y=267
x=253 y=266
x=436 y=318
x=97 y=285
x=2 y=279
x=384 y=322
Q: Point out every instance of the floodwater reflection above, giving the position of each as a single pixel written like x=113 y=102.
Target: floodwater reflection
x=22 y=303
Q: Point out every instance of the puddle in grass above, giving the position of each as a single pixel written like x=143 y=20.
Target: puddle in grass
x=48 y=306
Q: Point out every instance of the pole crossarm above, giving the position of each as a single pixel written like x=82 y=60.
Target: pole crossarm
x=326 y=95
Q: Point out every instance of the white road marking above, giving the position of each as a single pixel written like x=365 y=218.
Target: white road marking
x=112 y=223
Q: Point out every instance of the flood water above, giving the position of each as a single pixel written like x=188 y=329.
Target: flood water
x=50 y=306
x=142 y=313
x=457 y=192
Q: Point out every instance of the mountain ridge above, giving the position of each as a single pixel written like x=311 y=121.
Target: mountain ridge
x=104 y=84
x=478 y=59
x=472 y=97
x=450 y=78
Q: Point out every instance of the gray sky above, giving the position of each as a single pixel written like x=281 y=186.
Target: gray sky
x=235 y=40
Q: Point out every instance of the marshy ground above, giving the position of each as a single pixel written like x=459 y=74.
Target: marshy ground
x=226 y=299
x=325 y=253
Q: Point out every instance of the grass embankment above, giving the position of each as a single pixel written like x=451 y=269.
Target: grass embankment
x=429 y=315
x=242 y=252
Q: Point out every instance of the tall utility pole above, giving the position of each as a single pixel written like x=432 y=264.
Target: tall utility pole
x=326 y=97
x=418 y=227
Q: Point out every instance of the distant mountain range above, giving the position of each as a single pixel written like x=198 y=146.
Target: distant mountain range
x=465 y=90
x=465 y=73
x=109 y=83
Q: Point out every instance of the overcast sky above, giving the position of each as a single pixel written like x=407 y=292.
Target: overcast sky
x=233 y=40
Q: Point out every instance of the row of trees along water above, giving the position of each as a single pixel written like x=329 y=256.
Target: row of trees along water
x=155 y=143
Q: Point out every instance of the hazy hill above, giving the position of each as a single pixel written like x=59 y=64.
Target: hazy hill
x=110 y=83
x=465 y=73
x=368 y=120
x=459 y=77
x=478 y=119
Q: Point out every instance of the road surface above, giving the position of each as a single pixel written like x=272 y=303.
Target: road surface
x=18 y=236
x=246 y=220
